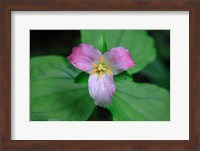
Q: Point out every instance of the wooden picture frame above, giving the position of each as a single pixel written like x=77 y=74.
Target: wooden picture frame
x=193 y=6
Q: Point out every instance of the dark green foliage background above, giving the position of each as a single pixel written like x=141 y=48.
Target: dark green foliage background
x=60 y=43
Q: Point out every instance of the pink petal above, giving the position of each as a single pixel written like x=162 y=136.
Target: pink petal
x=83 y=56
x=119 y=59
x=101 y=89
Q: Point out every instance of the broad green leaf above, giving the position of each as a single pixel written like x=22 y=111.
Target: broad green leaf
x=54 y=95
x=124 y=76
x=101 y=45
x=51 y=67
x=139 y=44
x=82 y=78
x=157 y=73
x=140 y=102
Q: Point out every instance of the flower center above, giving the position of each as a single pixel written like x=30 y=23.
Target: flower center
x=100 y=68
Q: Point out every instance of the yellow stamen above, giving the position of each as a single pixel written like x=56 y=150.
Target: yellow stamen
x=100 y=68
x=95 y=65
x=93 y=71
x=108 y=71
x=100 y=60
x=100 y=74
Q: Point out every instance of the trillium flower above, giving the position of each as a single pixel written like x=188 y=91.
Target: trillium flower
x=101 y=68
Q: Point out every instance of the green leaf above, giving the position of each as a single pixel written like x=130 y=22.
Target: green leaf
x=102 y=46
x=158 y=73
x=139 y=44
x=82 y=78
x=51 y=67
x=124 y=76
x=54 y=95
x=140 y=102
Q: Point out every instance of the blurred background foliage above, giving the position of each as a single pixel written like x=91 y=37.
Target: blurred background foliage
x=61 y=42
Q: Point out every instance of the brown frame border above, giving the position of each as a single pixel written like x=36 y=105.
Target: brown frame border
x=6 y=6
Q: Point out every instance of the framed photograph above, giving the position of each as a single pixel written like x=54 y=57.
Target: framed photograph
x=93 y=75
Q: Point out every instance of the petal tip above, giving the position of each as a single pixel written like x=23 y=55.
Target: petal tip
x=103 y=103
x=132 y=64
